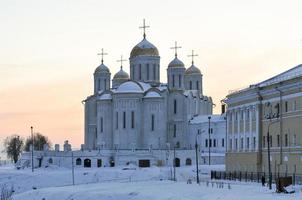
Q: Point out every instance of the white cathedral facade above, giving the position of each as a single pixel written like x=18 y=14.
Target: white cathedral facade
x=139 y=120
x=137 y=111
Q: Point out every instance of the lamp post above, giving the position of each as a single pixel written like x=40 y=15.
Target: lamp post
x=210 y=143
x=196 y=151
x=32 y=149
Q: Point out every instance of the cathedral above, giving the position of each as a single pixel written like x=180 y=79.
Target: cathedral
x=137 y=111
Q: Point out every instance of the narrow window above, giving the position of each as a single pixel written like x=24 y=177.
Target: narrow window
x=140 y=72
x=271 y=141
x=278 y=140
x=241 y=143
x=210 y=142
x=175 y=106
x=286 y=106
x=254 y=143
x=105 y=84
x=236 y=144
x=124 y=119
x=197 y=85
x=99 y=84
x=148 y=72
x=222 y=142
x=247 y=143
x=294 y=140
x=174 y=130
x=154 y=72
x=132 y=119
x=286 y=140
x=190 y=85
x=179 y=80
x=263 y=142
x=116 y=126
x=152 y=122
x=214 y=142
x=173 y=80
x=102 y=124
x=206 y=142
x=231 y=144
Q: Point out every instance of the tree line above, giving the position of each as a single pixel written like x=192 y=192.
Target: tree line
x=14 y=145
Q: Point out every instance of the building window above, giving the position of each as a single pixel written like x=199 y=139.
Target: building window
x=206 y=142
x=222 y=142
x=286 y=140
x=140 y=72
x=254 y=143
x=231 y=144
x=179 y=80
x=278 y=140
x=294 y=105
x=294 y=140
x=105 y=84
x=263 y=141
x=99 y=84
x=236 y=143
x=248 y=143
x=271 y=141
x=152 y=122
x=241 y=143
x=78 y=161
x=197 y=85
x=210 y=142
x=154 y=72
x=175 y=106
x=148 y=76
x=124 y=119
x=132 y=119
x=190 y=85
x=247 y=115
x=116 y=125
x=214 y=142
x=174 y=130
x=102 y=124
x=173 y=80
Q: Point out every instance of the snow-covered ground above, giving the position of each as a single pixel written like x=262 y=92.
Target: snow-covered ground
x=124 y=183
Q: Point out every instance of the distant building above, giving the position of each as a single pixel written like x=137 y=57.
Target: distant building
x=274 y=105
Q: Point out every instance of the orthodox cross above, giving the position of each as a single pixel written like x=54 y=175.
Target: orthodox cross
x=102 y=54
x=144 y=27
x=175 y=48
x=192 y=55
x=121 y=61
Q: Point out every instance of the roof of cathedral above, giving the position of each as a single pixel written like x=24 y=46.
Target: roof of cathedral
x=152 y=94
x=176 y=63
x=121 y=74
x=192 y=70
x=106 y=96
x=102 y=68
x=129 y=87
x=144 y=48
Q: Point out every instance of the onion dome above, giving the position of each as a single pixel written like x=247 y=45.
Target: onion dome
x=144 y=48
x=102 y=69
x=192 y=70
x=121 y=75
x=176 y=63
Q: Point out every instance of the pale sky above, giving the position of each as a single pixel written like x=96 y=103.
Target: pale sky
x=48 y=51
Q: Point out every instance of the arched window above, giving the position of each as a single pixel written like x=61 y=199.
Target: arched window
x=78 y=161
x=152 y=122
x=197 y=85
x=99 y=162
x=188 y=161
x=175 y=106
x=87 y=162
x=190 y=85
x=177 y=162
x=50 y=161
x=102 y=124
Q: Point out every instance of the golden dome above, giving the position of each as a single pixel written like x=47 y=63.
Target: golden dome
x=144 y=48
x=192 y=70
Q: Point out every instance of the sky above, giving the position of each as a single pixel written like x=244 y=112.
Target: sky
x=48 y=51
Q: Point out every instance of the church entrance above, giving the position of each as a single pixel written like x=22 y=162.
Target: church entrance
x=87 y=162
x=144 y=163
x=177 y=162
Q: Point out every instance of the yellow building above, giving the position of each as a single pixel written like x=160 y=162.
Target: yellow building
x=269 y=109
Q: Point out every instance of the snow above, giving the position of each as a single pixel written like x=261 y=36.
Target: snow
x=131 y=182
x=129 y=87
x=105 y=97
x=152 y=94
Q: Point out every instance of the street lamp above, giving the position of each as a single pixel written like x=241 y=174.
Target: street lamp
x=210 y=143
x=32 y=149
x=196 y=151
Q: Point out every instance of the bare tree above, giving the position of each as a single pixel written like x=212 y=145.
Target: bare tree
x=39 y=142
x=6 y=192
x=13 y=147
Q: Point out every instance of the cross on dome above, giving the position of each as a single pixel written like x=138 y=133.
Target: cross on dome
x=192 y=55
x=102 y=54
x=175 y=48
x=144 y=28
x=121 y=61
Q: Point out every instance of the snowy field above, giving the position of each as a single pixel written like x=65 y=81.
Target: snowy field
x=130 y=183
